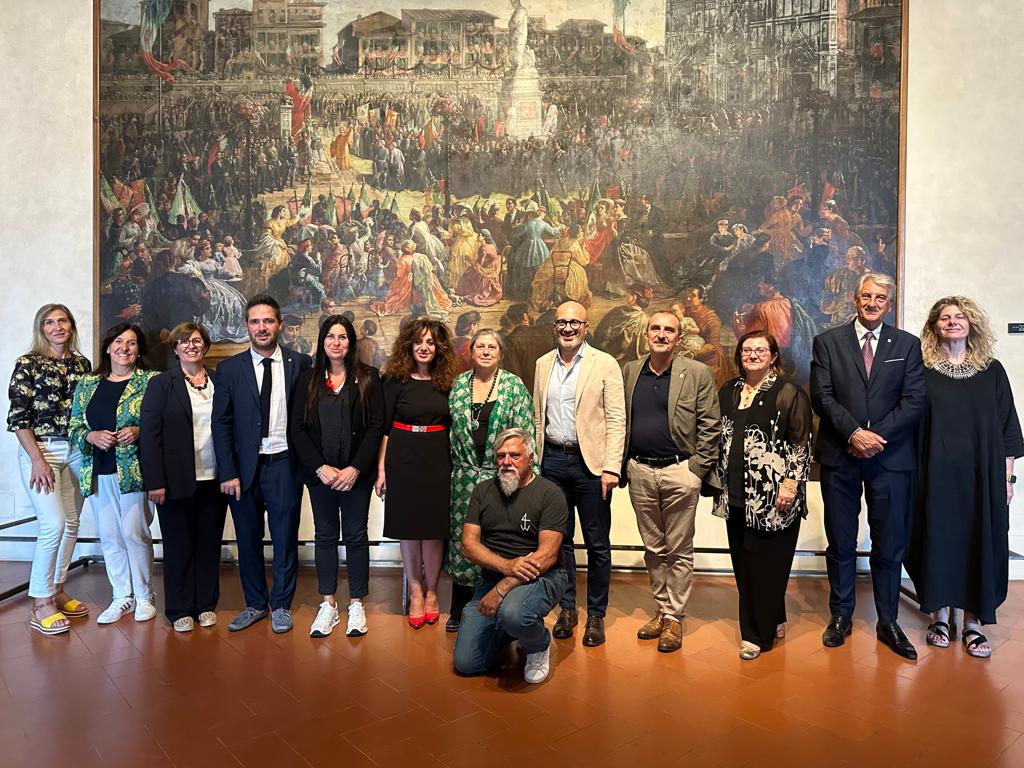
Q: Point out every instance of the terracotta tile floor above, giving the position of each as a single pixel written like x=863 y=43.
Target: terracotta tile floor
x=140 y=695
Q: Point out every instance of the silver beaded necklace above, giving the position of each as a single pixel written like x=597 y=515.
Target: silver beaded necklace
x=962 y=370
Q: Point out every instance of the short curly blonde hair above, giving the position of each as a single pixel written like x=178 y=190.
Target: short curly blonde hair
x=981 y=342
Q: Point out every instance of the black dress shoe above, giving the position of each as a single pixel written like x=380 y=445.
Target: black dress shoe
x=835 y=634
x=594 y=633
x=892 y=635
x=567 y=621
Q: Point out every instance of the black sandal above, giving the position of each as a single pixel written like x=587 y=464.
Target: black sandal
x=940 y=628
x=971 y=645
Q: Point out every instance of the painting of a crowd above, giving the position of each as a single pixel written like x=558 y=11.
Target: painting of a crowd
x=349 y=194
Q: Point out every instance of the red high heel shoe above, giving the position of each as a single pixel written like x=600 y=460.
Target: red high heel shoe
x=417 y=622
x=431 y=617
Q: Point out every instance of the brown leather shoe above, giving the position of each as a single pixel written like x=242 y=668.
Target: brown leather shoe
x=567 y=621
x=671 y=636
x=652 y=629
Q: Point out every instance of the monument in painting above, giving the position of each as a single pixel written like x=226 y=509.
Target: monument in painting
x=521 y=91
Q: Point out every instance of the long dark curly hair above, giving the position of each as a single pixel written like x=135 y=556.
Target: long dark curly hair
x=401 y=365
x=355 y=370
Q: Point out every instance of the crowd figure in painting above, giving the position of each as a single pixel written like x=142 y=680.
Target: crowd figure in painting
x=483 y=473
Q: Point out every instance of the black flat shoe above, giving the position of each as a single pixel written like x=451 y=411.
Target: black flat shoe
x=593 y=635
x=835 y=634
x=453 y=623
x=892 y=635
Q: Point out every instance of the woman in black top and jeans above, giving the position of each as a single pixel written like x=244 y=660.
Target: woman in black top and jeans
x=335 y=429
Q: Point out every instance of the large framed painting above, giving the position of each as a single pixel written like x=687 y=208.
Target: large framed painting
x=734 y=161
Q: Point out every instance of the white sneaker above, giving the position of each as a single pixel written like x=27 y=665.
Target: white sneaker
x=356 y=620
x=207 y=619
x=144 y=609
x=538 y=666
x=118 y=608
x=326 y=620
x=184 y=624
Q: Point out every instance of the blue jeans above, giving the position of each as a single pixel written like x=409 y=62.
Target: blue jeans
x=520 y=617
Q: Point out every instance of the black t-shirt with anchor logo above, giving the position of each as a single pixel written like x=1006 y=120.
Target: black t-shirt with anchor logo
x=511 y=526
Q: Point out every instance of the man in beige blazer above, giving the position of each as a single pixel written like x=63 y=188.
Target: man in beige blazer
x=672 y=443
x=581 y=426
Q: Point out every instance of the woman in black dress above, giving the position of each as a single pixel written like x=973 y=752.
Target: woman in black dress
x=763 y=466
x=335 y=429
x=969 y=438
x=414 y=467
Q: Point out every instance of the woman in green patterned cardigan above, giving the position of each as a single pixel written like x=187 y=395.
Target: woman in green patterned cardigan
x=105 y=428
x=484 y=401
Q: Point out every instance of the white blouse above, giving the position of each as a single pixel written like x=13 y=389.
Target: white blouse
x=202 y=434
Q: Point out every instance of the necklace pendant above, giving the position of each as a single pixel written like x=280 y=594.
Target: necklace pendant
x=475 y=423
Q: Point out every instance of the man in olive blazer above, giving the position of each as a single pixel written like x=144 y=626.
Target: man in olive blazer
x=580 y=421
x=672 y=444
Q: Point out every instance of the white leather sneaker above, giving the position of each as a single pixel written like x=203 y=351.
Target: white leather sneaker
x=326 y=620
x=356 y=620
x=538 y=666
x=144 y=609
x=118 y=608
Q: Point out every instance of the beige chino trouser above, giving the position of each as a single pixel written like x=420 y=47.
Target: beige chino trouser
x=665 y=502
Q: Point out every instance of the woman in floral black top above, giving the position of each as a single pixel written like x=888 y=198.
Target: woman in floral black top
x=763 y=466
x=40 y=394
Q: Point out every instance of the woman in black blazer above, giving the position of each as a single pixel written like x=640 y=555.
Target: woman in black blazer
x=335 y=428
x=179 y=471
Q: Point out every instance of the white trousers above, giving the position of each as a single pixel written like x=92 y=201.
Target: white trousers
x=122 y=521
x=57 y=512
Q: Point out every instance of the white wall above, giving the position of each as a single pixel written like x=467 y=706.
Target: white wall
x=964 y=199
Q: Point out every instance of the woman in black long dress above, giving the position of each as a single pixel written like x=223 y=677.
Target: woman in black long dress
x=969 y=438
x=763 y=467
x=414 y=467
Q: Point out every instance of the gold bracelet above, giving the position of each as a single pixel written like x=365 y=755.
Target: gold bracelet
x=501 y=594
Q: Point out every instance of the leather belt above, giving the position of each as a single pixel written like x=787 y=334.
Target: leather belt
x=419 y=427
x=270 y=458
x=668 y=461
x=562 y=447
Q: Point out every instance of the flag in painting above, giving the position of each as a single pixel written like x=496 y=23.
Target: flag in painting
x=184 y=204
x=154 y=14
x=332 y=212
x=107 y=198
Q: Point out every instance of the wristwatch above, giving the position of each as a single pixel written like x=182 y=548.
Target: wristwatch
x=1011 y=479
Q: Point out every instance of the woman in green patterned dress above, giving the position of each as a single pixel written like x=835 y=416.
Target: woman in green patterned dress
x=484 y=401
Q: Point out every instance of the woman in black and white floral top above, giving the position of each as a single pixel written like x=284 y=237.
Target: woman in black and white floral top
x=763 y=466
x=40 y=392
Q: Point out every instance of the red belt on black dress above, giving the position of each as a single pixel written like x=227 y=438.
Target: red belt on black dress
x=419 y=427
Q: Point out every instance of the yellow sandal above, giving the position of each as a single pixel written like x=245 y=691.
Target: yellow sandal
x=45 y=626
x=74 y=609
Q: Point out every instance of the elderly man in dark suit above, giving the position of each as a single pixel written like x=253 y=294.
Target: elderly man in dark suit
x=255 y=468
x=672 y=435
x=867 y=386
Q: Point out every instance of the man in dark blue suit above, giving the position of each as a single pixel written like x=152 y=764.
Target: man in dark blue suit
x=867 y=386
x=255 y=469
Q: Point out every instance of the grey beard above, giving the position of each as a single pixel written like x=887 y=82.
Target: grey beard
x=509 y=482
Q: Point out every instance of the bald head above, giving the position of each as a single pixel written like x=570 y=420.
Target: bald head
x=569 y=310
